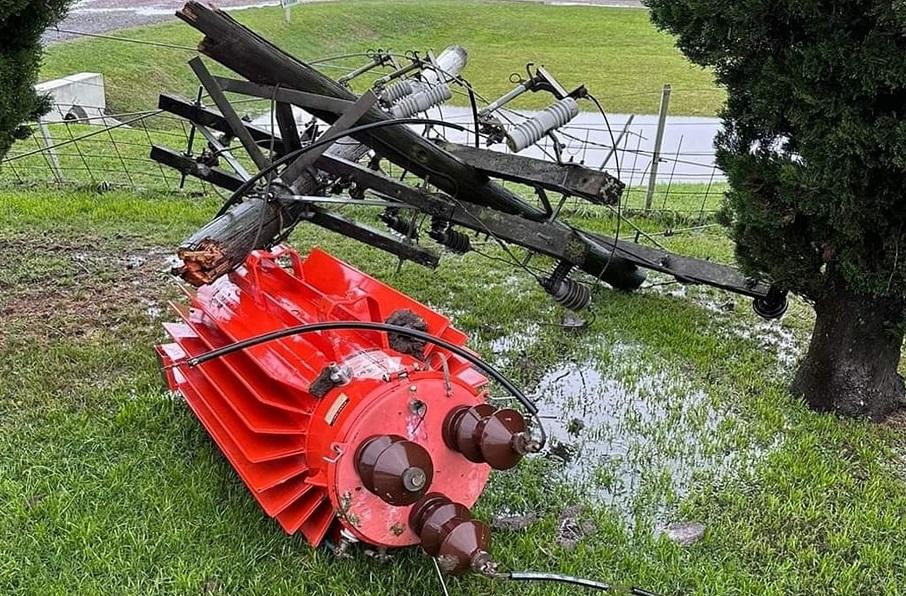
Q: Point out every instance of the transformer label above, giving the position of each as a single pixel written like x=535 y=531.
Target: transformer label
x=374 y=364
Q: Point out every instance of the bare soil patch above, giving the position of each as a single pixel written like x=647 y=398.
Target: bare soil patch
x=76 y=286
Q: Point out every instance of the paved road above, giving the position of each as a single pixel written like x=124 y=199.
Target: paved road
x=687 y=153
x=100 y=16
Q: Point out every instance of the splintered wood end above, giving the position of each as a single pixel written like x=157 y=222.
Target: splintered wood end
x=204 y=263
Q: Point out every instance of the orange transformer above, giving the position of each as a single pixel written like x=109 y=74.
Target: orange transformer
x=360 y=435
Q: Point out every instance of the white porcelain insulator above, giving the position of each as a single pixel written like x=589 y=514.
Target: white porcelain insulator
x=533 y=130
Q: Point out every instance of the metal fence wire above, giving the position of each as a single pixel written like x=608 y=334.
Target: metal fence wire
x=113 y=151
x=109 y=150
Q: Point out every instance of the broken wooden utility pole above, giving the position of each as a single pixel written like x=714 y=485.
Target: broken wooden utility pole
x=301 y=175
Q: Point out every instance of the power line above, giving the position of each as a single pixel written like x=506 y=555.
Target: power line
x=126 y=39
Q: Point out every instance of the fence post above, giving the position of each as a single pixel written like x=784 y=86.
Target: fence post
x=287 y=10
x=616 y=143
x=51 y=151
x=190 y=141
x=658 y=142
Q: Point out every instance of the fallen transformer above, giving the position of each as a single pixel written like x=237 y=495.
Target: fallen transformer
x=351 y=411
x=386 y=439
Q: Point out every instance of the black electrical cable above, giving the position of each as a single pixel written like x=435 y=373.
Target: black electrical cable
x=616 y=239
x=474 y=106
x=367 y=326
x=248 y=184
x=613 y=140
x=572 y=581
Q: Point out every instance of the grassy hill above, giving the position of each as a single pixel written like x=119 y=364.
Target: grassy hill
x=622 y=58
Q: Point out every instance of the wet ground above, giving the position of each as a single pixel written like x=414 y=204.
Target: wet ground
x=620 y=429
x=71 y=287
x=630 y=432
x=772 y=336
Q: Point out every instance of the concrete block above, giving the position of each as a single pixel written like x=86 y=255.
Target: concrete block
x=79 y=98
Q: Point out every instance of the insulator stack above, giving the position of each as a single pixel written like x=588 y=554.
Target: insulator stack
x=566 y=291
x=533 y=130
x=340 y=432
x=396 y=470
x=448 y=532
x=421 y=101
x=399 y=224
x=450 y=238
x=485 y=434
x=396 y=91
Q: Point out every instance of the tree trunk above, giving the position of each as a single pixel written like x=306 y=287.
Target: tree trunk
x=851 y=365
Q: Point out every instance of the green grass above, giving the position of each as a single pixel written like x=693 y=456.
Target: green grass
x=622 y=58
x=110 y=486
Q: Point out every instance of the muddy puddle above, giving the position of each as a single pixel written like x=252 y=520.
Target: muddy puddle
x=632 y=437
x=627 y=431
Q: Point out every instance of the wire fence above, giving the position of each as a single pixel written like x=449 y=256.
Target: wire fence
x=113 y=151
x=667 y=163
x=109 y=151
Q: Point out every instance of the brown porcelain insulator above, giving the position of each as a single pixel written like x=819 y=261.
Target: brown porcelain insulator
x=500 y=438
x=398 y=471
x=465 y=547
x=484 y=434
x=459 y=428
x=448 y=532
x=429 y=518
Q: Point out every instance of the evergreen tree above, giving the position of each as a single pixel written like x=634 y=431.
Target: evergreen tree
x=21 y=24
x=814 y=146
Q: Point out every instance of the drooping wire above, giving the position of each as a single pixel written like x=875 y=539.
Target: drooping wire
x=537 y=272
x=616 y=238
x=127 y=40
x=616 y=152
x=248 y=184
x=573 y=581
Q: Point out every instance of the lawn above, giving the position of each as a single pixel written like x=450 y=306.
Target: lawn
x=108 y=485
x=621 y=57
